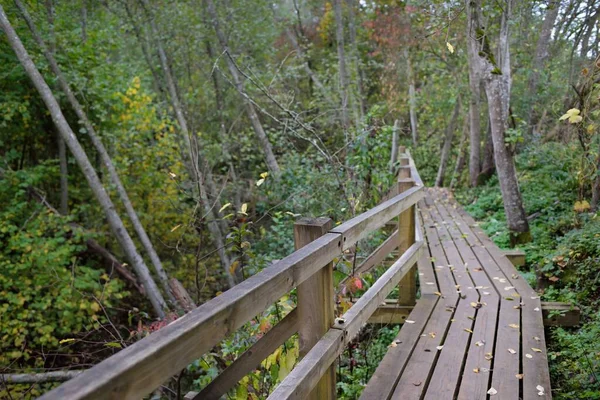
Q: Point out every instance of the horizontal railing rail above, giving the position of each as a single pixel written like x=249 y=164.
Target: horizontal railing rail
x=142 y=367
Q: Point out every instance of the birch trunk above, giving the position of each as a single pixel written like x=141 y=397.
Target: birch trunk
x=474 y=94
x=103 y=153
x=68 y=136
x=394 y=157
x=360 y=73
x=497 y=83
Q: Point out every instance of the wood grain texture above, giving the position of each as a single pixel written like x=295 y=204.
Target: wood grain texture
x=315 y=302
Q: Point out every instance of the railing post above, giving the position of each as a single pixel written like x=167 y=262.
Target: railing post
x=315 y=302
x=407 y=288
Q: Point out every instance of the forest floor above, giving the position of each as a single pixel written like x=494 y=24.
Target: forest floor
x=562 y=259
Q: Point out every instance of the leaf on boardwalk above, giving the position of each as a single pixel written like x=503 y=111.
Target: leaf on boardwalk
x=468 y=330
x=492 y=392
x=519 y=376
x=528 y=355
x=408 y=321
x=512 y=351
x=536 y=350
x=515 y=326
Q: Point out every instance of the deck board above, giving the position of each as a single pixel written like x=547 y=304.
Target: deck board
x=468 y=269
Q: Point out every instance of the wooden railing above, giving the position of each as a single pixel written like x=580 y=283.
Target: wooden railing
x=147 y=364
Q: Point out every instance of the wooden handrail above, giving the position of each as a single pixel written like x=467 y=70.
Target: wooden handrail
x=145 y=365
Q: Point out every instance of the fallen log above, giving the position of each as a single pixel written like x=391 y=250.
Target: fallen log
x=42 y=377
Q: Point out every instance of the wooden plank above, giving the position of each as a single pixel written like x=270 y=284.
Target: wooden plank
x=535 y=369
x=304 y=377
x=133 y=372
x=382 y=383
x=407 y=288
x=359 y=227
x=390 y=314
x=351 y=322
x=515 y=256
x=379 y=254
x=476 y=379
x=445 y=379
x=315 y=302
x=569 y=314
x=427 y=280
x=250 y=359
x=413 y=381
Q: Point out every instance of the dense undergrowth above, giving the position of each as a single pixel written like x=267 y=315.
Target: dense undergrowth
x=562 y=260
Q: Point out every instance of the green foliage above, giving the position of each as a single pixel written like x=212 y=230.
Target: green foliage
x=48 y=291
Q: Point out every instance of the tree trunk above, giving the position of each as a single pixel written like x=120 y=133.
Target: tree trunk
x=394 y=157
x=497 y=82
x=412 y=98
x=449 y=136
x=68 y=136
x=596 y=186
x=541 y=54
x=474 y=93
x=195 y=165
x=360 y=73
x=460 y=162
x=589 y=27
x=487 y=166
x=342 y=73
x=263 y=140
x=105 y=157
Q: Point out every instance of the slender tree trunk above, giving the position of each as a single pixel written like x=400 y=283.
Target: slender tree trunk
x=343 y=74
x=488 y=166
x=541 y=54
x=394 y=157
x=596 y=186
x=412 y=98
x=106 y=160
x=195 y=164
x=462 y=150
x=237 y=81
x=497 y=82
x=360 y=73
x=68 y=136
x=313 y=77
x=474 y=95
x=589 y=27
x=62 y=151
x=446 y=150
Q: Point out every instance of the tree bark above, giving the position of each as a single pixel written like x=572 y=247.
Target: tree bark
x=394 y=157
x=462 y=149
x=487 y=166
x=497 y=83
x=412 y=98
x=342 y=73
x=263 y=140
x=449 y=136
x=41 y=377
x=360 y=73
x=541 y=54
x=105 y=157
x=474 y=93
x=68 y=136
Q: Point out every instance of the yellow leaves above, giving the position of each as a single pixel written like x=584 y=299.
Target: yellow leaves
x=514 y=326
x=175 y=228
x=234 y=265
x=581 y=206
x=450 y=47
x=244 y=209
x=572 y=115
x=66 y=341
x=95 y=307
x=224 y=207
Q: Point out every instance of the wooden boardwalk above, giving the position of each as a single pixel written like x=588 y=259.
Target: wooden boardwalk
x=472 y=330
x=477 y=330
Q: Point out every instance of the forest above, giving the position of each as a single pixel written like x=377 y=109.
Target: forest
x=156 y=153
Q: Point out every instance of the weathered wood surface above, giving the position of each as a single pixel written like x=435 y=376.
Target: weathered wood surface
x=485 y=332
x=142 y=367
